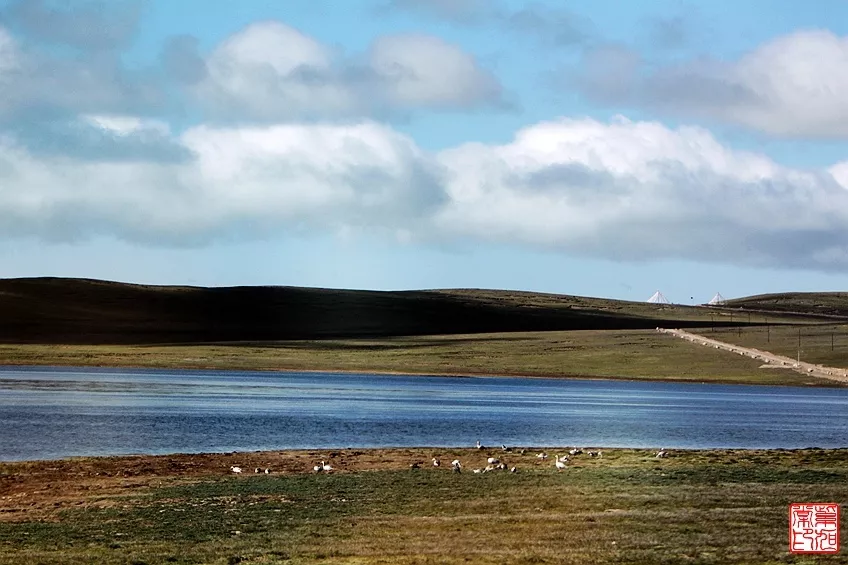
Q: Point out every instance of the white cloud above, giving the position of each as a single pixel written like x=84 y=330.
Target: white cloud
x=127 y=125
x=791 y=86
x=638 y=190
x=621 y=190
x=264 y=71
x=270 y=71
x=247 y=180
x=422 y=70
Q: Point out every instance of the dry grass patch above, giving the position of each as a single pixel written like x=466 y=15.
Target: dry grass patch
x=718 y=506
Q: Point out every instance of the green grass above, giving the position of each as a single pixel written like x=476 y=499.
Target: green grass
x=695 y=507
x=629 y=354
x=820 y=344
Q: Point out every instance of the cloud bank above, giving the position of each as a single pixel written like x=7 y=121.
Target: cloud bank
x=288 y=140
x=793 y=86
x=622 y=190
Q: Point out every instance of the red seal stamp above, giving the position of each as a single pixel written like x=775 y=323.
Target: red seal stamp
x=814 y=527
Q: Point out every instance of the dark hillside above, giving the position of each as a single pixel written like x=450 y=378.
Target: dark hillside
x=81 y=311
x=806 y=303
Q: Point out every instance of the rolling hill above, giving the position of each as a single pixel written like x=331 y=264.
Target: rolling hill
x=83 y=311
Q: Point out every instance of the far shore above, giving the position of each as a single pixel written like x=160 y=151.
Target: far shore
x=821 y=383
x=627 y=355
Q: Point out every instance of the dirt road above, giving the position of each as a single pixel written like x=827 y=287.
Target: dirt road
x=770 y=359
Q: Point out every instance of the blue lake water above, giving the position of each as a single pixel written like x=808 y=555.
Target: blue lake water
x=48 y=413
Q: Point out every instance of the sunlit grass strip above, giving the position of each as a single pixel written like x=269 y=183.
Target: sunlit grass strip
x=631 y=354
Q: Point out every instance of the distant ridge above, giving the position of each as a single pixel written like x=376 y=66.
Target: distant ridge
x=85 y=311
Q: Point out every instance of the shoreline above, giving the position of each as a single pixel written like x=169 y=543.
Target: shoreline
x=392 y=450
x=42 y=488
x=819 y=383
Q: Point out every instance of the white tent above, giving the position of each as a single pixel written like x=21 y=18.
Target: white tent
x=658 y=298
x=717 y=299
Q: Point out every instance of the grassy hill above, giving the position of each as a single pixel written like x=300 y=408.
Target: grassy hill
x=825 y=304
x=82 y=311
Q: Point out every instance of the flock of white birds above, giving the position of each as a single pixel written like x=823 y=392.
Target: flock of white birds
x=492 y=463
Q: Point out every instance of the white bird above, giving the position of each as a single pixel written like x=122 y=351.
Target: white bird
x=560 y=464
x=326 y=466
x=436 y=462
x=575 y=451
x=595 y=453
x=563 y=458
x=457 y=466
x=505 y=448
x=235 y=469
x=256 y=469
x=318 y=468
x=542 y=455
x=267 y=471
x=492 y=461
x=477 y=471
x=479 y=445
x=513 y=470
x=662 y=453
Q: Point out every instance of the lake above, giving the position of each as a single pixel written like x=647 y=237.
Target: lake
x=52 y=412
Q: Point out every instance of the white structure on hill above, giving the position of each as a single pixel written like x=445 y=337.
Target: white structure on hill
x=658 y=298
x=717 y=300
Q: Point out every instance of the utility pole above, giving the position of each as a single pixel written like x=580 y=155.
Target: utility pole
x=799 y=346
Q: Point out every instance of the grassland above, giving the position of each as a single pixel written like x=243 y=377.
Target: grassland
x=627 y=354
x=52 y=321
x=823 y=344
x=627 y=507
x=834 y=304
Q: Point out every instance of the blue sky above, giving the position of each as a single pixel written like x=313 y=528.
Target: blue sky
x=595 y=148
